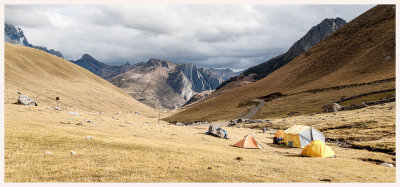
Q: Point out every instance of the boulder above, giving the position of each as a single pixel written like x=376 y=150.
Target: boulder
x=332 y=107
x=216 y=130
x=26 y=100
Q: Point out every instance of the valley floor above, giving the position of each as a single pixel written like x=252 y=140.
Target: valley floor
x=128 y=147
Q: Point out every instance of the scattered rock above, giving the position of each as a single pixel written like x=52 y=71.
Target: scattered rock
x=387 y=164
x=73 y=113
x=209 y=168
x=79 y=124
x=57 y=108
x=246 y=121
x=26 y=100
x=48 y=153
x=65 y=123
x=72 y=153
x=325 y=180
x=89 y=137
x=89 y=121
x=239 y=158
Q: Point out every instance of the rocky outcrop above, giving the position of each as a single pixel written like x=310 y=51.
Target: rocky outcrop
x=315 y=35
x=15 y=35
x=198 y=97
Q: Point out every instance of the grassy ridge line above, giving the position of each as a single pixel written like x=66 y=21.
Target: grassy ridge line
x=44 y=77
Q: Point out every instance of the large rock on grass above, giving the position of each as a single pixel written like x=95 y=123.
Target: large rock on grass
x=332 y=107
x=216 y=130
x=26 y=100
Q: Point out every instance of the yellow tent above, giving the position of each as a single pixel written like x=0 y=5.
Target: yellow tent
x=300 y=136
x=317 y=149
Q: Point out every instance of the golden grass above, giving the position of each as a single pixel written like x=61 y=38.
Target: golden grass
x=373 y=97
x=148 y=152
x=372 y=127
x=44 y=77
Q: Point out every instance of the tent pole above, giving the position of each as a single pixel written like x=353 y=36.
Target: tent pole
x=312 y=138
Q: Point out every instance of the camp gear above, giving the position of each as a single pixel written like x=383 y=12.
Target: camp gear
x=300 y=136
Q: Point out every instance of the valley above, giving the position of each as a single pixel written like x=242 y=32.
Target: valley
x=149 y=122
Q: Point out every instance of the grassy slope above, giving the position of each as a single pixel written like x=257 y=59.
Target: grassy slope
x=362 y=51
x=147 y=152
x=43 y=77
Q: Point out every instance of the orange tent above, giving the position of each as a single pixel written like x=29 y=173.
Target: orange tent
x=278 y=138
x=248 y=142
x=279 y=134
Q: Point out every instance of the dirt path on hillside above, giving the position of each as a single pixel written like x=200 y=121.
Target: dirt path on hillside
x=254 y=110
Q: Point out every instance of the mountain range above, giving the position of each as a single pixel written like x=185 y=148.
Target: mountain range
x=15 y=35
x=357 y=59
x=314 y=36
x=167 y=85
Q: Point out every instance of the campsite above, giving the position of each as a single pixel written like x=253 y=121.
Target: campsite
x=327 y=114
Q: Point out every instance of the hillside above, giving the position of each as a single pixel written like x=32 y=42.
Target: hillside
x=360 y=52
x=44 y=77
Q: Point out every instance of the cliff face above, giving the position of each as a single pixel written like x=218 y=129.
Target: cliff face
x=166 y=85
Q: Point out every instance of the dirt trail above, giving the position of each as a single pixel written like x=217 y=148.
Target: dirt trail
x=254 y=110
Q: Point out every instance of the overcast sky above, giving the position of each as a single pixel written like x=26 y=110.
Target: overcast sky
x=217 y=36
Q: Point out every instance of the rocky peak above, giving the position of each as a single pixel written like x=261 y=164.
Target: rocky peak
x=316 y=34
x=153 y=62
x=15 y=35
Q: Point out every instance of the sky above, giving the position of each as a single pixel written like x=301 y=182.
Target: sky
x=214 y=36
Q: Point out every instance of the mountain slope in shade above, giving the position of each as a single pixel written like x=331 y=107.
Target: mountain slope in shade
x=362 y=51
x=15 y=35
x=315 y=35
x=166 y=85
x=44 y=77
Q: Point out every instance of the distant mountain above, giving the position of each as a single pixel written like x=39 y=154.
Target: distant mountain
x=315 y=35
x=101 y=69
x=15 y=35
x=167 y=85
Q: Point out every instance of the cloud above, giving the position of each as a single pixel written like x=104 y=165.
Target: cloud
x=219 y=36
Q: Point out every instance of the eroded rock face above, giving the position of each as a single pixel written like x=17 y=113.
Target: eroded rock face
x=166 y=85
